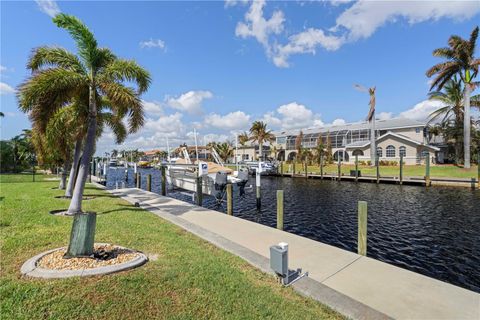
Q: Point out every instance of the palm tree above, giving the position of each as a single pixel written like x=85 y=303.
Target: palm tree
x=460 y=61
x=96 y=73
x=298 y=145
x=243 y=139
x=452 y=112
x=260 y=134
x=225 y=151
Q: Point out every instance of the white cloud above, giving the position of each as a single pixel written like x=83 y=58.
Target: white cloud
x=190 y=101
x=2 y=69
x=271 y=120
x=305 y=42
x=338 y=122
x=215 y=137
x=296 y=116
x=384 y=116
x=153 y=43
x=6 y=89
x=49 y=7
x=232 y=3
x=257 y=26
x=422 y=110
x=363 y=18
x=231 y=121
x=152 y=107
x=358 y=21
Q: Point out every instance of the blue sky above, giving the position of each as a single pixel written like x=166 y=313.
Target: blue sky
x=218 y=66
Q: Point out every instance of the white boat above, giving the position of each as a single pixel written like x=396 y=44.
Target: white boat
x=183 y=174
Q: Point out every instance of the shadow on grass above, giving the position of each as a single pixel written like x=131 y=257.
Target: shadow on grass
x=132 y=209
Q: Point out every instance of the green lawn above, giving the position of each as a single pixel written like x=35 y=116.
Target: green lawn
x=448 y=171
x=190 y=279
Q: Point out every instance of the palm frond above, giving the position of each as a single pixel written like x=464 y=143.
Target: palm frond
x=84 y=38
x=54 y=56
x=127 y=70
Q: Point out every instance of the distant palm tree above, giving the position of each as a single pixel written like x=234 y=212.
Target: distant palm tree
x=225 y=151
x=243 y=139
x=260 y=134
x=460 y=61
x=95 y=73
x=298 y=145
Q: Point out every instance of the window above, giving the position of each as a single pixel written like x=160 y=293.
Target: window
x=403 y=151
x=281 y=140
x=417 y=130
x=379 y=152
x=390 y=151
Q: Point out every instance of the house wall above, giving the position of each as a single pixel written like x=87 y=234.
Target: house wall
x=410 y=133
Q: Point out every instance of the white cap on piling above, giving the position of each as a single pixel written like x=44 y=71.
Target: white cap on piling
x=283 y=245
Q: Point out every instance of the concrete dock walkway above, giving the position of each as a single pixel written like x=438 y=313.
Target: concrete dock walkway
x=357 y=286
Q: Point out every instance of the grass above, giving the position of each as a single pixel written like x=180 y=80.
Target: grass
x=23 y=177
x=440 y=171
x=190 y=279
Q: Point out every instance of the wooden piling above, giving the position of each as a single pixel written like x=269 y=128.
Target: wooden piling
x=362 y=228
x=339 y=165
x=199 y=191
x=377 y=165
x=293 y=173
x=321 y=165
x=259 y=200
x=149 y=182
x=356 y=167
x=401 y=169
x=229 y=200
x=164 y=181
x=281 y=168
x=280 y=209
x=306 y=170
x=427 y=170
x=139 y=180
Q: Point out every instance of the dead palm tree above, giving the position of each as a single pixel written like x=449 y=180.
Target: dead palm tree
x=260 y=134
x=371 y=119
x=460 y=61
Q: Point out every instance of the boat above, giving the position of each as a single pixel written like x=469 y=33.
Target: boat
x=183 y=174
x=267 y=168
x=113 y=163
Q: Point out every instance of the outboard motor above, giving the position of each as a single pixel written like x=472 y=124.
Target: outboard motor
x=220 y=181
x=242 y=175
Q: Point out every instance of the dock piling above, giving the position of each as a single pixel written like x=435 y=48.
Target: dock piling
x=321 y=165
x=259 y=200
x=293 y=173
x=339 y=165
x=280 y=209
x=149 y=182
x=377 y=165
x=362 y=228
x=229 y=200
x=281 y=168
x=164 y=181
x=401 y=169
x=199 y=191
x=306 y=169
x=356 y=167
x=427 y=170
x=139 y=180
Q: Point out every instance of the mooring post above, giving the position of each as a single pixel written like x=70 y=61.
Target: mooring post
x=377 y=165
x=339 y=165
x=321 y=165
x=356 y=167
x=280 y=209
x=257 y=180
x=362 y=228
x=401 y=169
x=281 y=168
x=199 y=191
x=293 y=173
x=306 y=170
x=139 y=180
x=427 y=170
x=164 y=181
x=149 y=182
x=229 y=200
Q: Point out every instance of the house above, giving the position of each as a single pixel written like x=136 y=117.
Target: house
x=394 y=137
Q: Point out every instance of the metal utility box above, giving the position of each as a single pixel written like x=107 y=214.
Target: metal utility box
x=279 y=259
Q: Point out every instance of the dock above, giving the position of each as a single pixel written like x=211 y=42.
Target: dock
x=357 y=286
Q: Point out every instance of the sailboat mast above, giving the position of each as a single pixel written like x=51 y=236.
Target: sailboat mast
x=196 y=145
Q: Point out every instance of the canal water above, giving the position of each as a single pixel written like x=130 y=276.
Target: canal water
x=433 y=231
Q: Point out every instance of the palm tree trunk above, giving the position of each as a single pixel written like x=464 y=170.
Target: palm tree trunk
x=76 y=203
x=63 y=178
x=466 y=126
x=74 y=170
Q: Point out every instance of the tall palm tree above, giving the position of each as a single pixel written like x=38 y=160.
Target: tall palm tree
x=459 y=61
x=96 y=73
x=243 y=139
x=451 y=113
x=260 y=134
